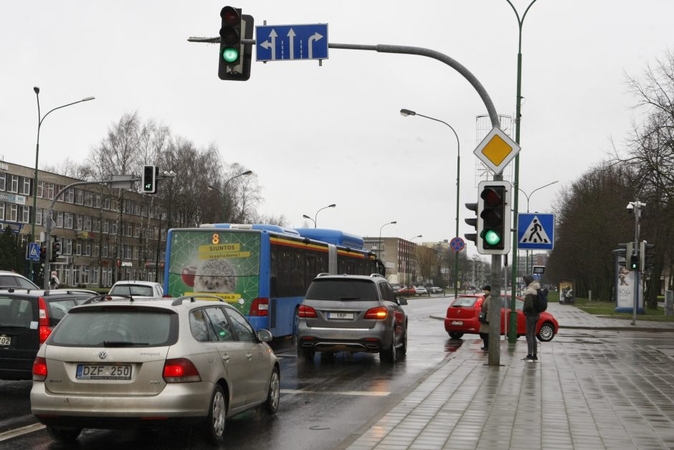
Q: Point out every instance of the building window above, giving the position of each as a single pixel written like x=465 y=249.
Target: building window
x=2 y=211
x=25 y=188
x=3 y=182
x=68 y=221
x=70 y=196
x=24 y=214
x=80 y=197
x=87 y=223
x=14 y=183
x=12 y=212
x=98 y=201
x=106 y=203
x=49 y=195
x=97 y=225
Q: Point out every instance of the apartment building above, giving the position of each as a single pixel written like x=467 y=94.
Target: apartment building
x=105 y=234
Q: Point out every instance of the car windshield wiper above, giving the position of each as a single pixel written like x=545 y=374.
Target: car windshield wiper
x=124 y=344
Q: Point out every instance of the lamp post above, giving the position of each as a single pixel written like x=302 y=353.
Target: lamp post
x=40 y=119
x=408 y=265
x=407 y=112
x=315 y=219
x=381 y=228
x=512 y=331
x=224 y=192
x=526 y=267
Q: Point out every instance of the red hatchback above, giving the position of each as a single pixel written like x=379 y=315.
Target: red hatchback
x=462 y=318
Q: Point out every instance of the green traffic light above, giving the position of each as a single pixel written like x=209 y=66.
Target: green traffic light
x=230 y=54
x=491 y=237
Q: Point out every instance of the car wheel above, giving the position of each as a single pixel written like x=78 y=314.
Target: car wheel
x=274 y=395
x=388 y=355
x=214 y=428
x=65 y=435
x=546 y=333
x=455 y=335
x=305 y=354
x=403 y=347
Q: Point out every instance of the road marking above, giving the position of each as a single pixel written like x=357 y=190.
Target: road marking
x=21 y=431
x=363 y=393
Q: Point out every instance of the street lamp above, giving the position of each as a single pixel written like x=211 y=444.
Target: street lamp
x=40 y=119
x=315 y=219
x=381 y=228
x=512 y=331
x=415 y=237
x=526 y=267
x=224 y=192
x=407 y=112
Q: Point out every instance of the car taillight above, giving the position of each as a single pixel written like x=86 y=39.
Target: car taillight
x=39 y=369
x=180 y=370
x=306 y=311
x=378 y=313
x=259 y=307
x=44 y=325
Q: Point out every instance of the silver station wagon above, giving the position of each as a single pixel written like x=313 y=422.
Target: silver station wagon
x=151 y=362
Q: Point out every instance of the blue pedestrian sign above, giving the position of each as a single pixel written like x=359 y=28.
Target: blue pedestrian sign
x=33 y=251
x=291 y=42
x=535 y=231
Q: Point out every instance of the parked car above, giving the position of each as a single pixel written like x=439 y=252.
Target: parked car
x=420 y=290
x=406 y=290
x=137 y=289
x=9 y=279
x=462 y=318
x=436 y=290
x=139 y=363
x=353 y=313
x=27 y=317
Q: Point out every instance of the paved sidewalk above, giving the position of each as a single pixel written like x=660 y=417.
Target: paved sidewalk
x=585 y=393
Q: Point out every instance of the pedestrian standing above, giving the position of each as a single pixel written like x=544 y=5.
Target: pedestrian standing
x=54 y=281
x=532 y=316
x=484 y=326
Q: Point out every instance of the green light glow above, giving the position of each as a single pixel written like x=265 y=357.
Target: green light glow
x=230 y=54
x=492 y=237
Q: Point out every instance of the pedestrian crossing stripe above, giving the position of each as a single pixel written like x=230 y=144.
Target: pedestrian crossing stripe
x=536 y=231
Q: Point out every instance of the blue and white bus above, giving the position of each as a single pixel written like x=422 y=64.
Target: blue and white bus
x=262 y=269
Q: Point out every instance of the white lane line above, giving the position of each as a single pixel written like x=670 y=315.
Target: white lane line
x=20 y=431
x=361 y=393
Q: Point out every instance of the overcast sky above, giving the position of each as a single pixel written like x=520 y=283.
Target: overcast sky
x=332 y=133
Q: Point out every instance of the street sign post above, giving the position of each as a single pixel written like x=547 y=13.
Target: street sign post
x=291 y=42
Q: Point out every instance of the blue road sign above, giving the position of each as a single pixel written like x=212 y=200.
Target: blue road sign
x=291 y=42
x=33 y=251
x=535 y=231
x=457 y=244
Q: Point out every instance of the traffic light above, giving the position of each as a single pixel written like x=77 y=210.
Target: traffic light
x=55 y=250
x=493 y=221
x=43 y=254
x=634 y=262
x=472 y=221
x=235 y=57
x=647 y=255
x=149 y=179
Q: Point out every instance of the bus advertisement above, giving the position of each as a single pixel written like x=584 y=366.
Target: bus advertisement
x=263 y=270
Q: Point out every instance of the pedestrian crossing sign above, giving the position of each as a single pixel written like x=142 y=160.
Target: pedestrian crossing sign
x=535 y=231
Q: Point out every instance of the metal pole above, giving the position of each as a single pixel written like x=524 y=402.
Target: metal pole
x=316 y=215
x=407 y=112
x=381 y=228
x=512 y=332
x=224 y=193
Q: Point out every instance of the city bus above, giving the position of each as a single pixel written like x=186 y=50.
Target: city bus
x=263 y=270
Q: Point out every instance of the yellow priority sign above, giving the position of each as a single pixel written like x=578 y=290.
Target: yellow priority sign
x=496 y=150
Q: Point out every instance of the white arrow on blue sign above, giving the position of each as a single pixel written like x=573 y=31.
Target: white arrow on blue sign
x=291 y=42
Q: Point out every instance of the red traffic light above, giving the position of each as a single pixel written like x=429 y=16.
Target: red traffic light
x=492 y=197
x=230 y=16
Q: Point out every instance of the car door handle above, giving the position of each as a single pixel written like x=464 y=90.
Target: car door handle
x=225 y=358
x=249 y=356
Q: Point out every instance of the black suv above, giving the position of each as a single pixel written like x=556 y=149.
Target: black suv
x=27 y=317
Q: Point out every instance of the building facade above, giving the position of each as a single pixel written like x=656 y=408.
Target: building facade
x=104 y=234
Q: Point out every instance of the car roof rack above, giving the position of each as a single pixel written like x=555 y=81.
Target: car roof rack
x=194 y=297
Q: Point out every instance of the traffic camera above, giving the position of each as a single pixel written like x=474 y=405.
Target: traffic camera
x=493 y=220
x=235 y=57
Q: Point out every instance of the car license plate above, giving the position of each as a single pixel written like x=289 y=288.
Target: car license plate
x=340 y=315
x=5 y=340
x=457 y=323
x=103 y=372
